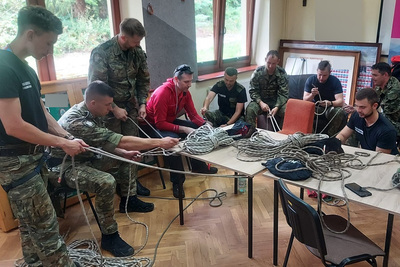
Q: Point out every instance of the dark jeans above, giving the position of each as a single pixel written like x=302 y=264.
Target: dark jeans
x=175 y=161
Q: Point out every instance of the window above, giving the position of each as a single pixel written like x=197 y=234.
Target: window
x=8 y=25
x=223 y=33
x=86 y=24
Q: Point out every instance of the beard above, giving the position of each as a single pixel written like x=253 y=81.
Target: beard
x=367 y=115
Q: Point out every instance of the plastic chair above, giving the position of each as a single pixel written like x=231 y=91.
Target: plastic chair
x=333 y=249
x=299 y=117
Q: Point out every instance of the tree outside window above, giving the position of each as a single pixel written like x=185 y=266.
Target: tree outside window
x=8 y=25
x=86 y=24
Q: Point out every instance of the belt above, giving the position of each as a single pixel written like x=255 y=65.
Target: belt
x=22 y=149
x=29 y=176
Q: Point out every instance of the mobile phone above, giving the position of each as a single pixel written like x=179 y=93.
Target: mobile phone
x=358 y=189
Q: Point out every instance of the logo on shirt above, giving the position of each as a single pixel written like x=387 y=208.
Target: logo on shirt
x=26 y=85
x=358 y=130
x=224 y=96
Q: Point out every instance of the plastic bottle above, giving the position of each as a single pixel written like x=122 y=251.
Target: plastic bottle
x=242 y=184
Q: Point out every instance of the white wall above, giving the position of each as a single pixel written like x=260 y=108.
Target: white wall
x=327 y=20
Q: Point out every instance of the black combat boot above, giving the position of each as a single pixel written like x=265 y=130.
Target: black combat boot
x=141 y=190
x=135 y=205
x=114 y=244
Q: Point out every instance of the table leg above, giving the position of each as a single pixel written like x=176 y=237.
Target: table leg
x=275 y=227
x=235 y=186
x=389 y=229
x=250 y=216
x=180 y=199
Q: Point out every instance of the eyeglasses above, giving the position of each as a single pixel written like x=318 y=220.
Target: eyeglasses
x=182 y=68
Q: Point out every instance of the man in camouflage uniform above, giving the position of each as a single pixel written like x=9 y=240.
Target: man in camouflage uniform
x=268 y=90
x=86 y=120
x=231 y=99
x=325 y=90
x=388 y=89
x=25 y=127
x=121 y=63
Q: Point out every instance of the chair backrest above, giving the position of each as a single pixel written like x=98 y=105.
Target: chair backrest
x=299 y=116
x=303 y=219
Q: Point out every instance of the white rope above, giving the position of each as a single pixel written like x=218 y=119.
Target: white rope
x=205 y=139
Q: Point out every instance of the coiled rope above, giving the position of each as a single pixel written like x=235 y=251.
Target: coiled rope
x=326 y=167
x=260 y=146
x=205 y=139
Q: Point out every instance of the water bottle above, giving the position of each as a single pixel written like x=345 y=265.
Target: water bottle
x=242 y=183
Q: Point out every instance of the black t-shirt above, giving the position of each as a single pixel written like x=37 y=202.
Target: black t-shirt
x=381 y=134
x=18 y=80
x=327 y=90
x=227 y=99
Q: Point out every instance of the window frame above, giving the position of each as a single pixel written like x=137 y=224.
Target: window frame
x=219 y=8
x=45 y=66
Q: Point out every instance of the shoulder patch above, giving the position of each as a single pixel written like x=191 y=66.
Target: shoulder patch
x=88 y=123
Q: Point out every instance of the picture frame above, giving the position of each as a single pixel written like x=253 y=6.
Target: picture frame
x=345 y=65
x=370 y=55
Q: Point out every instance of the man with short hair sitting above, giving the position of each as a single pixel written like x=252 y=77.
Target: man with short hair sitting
x=231 y=99
x=373 y=130
x=86 y=120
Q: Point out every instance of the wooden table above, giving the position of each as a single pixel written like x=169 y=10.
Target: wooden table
x=376 y=176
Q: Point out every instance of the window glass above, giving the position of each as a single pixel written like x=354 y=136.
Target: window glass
x=86 y=24
x=204 y=30
x=8 y=24
x=235 y=29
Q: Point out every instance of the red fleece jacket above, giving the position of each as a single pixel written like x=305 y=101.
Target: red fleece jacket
x=162 y=107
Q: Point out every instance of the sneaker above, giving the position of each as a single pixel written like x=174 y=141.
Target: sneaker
x=135 y=205
x=141 y=190
x=207 y=169
x=175 y=191
x=114 y=244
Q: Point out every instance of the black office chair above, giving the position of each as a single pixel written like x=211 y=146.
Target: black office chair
x=333 y=249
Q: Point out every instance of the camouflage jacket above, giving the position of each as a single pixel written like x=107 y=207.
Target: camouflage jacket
x=79 y=122
x=125 y=72
x=271 y=89
x=390 y=102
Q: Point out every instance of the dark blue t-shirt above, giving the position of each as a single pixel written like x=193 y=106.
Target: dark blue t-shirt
x=18 y=80
x=381 y=134
x=327 y=90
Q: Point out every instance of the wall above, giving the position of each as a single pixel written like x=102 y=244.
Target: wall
x=327 y=20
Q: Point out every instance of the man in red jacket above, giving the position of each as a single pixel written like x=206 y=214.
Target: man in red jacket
x=168 y=102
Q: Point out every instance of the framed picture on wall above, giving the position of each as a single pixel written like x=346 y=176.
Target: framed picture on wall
x=345 y=65
x=370 y=54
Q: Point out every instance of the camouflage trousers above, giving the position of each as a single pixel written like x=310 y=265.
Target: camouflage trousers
x=126 y=128
x=41 y=242
x=336 y=117
x=254 y=109
x=217 y=118
x=103 y=185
